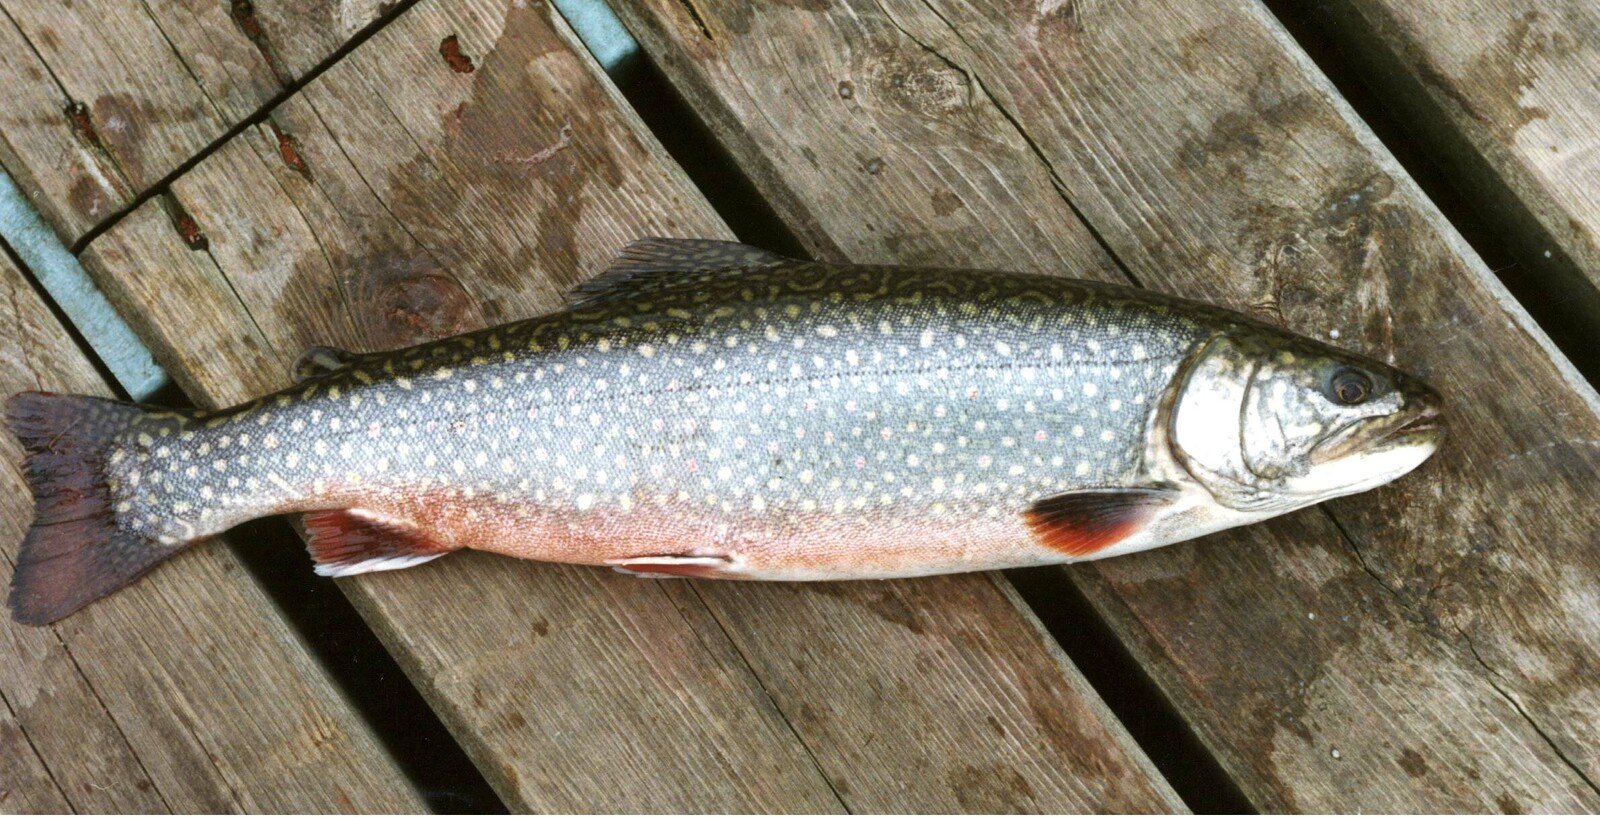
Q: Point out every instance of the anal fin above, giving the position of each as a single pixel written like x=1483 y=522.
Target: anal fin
x=1082 y=523
x=347 y=541
x=680 y=566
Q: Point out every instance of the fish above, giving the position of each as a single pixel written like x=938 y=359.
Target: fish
x=709 y=409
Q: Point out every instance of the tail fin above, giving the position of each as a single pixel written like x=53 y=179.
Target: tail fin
x=76 y=551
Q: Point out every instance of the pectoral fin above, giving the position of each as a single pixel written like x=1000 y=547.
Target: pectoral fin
x=697 y=567
x=1085 y=522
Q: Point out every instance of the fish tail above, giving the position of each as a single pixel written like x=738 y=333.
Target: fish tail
x=79 y=548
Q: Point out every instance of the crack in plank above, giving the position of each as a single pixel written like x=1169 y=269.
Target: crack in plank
x=760 y=683
x=699 y=21
x=28 y=739
x=1429 y=626
x=1517 y=705
x=261 y=114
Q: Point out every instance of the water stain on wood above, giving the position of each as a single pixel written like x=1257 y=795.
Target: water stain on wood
x=121 y=123
x=1062 y=719
x=1237 y=137
x=1413 y=762
x=1277 y=693
x=992 y=788
x=403 y=299
x=885 y=601
x=87 y=196
x=94 y=191
x=1503 y=72
x=497 y=152
x=945 y=202
x=739 y=18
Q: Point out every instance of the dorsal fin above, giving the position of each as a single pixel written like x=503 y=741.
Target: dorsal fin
x=320 y=360
x=651 y=262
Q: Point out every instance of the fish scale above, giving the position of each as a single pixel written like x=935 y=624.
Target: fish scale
x=710 y=409
x=733 y=395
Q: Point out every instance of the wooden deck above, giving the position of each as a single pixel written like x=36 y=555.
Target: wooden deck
x=188 y=692
x=246 y=181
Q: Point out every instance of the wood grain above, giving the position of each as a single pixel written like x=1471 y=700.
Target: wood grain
x=1428 y=646
x=187 y=693
x=104 y=98
x=464 y=167
x=1508 y=95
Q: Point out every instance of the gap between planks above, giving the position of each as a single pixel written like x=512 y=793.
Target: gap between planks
x=1544 y=278
x=1557 y=363
x=1086 y=637
x=257 y=117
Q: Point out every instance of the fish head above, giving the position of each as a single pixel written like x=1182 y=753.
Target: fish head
x=1269 y=422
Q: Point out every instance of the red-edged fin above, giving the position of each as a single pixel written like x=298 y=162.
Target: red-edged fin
x=694 y=567
x=345 y=542
x=1083 y=523
x=77 y=549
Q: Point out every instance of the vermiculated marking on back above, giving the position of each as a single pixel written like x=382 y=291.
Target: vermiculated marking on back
x=711 y=409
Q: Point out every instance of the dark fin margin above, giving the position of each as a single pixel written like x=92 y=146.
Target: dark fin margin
x=75 y=552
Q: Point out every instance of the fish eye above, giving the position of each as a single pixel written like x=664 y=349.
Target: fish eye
x=1350 y=387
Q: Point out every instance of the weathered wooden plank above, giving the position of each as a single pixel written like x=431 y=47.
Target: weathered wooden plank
x=25 y=784
x=188 y=693
x=1505 y=96
x=107 y=97
x=466 y=166
x=1429 y=646
x=61 y=277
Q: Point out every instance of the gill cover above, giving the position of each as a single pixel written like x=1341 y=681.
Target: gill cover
x=1207 y=423
x=1268 y=425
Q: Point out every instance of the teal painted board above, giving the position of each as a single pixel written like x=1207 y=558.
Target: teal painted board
x=600 y=30
x=58 y=271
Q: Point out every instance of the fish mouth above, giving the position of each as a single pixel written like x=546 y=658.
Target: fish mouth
x=1428 y=421
x=1420 y=426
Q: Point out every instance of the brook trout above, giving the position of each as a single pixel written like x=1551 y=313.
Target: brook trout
x=709 y=409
